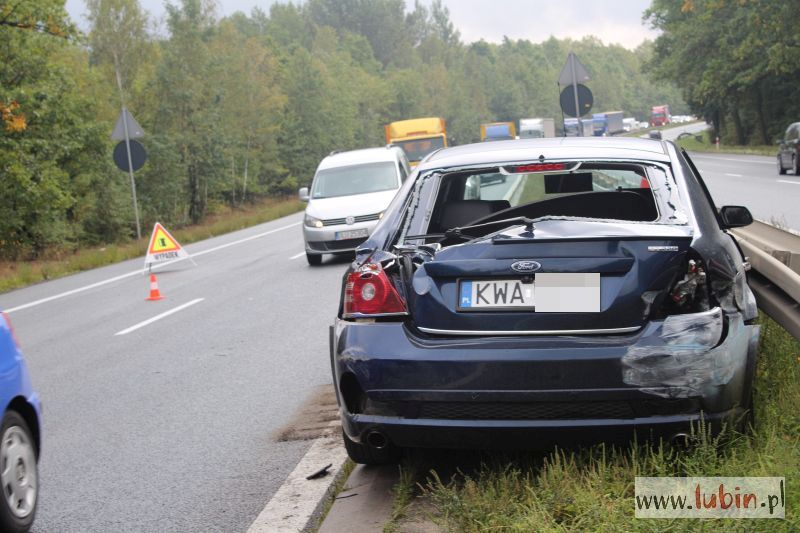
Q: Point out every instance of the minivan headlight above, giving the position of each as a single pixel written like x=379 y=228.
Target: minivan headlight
x=312 y=222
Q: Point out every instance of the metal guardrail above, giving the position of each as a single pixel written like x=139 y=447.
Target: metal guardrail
x=775 y=257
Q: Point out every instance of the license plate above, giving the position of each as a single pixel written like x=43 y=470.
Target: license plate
x=351 y=234
x=495 y=294
x=549 y=293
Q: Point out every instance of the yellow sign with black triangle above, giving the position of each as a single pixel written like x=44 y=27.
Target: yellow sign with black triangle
x=163 y=247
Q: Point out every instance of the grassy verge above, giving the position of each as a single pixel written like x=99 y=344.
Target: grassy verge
x=404 y=492
x=592 y=489
x=707 y=145
x=59 y=263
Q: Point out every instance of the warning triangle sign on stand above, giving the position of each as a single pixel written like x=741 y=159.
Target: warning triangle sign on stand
x=163 y=247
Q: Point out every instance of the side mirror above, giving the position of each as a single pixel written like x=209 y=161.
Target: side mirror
x=303 y=193
x=735 y=216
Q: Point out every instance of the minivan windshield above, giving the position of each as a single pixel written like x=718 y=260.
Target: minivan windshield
x=355 y=179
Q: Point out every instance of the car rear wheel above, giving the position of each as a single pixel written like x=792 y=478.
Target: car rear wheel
x=796 y=165
x=313 y=259
x=18 y=474
x=781 y=170
x=367 y=455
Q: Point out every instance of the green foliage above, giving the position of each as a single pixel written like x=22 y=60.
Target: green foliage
x=51 y=168
x=738 y=62
x=244 y=107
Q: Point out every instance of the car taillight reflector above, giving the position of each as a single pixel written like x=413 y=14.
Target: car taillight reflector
x=368 y=291
x=10 y=327
x=538 y=167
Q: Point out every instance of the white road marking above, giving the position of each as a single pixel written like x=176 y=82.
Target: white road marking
x=246 y=239
x=301 y=254
x=787 y=181
x=696 y=155
x=733 y=175
x=73 y=291
x=159 y=317
x=143 y=270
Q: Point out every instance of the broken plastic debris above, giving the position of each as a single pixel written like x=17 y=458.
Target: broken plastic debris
x=322 y=472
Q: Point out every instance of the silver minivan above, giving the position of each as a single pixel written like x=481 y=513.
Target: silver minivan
x=348 y=196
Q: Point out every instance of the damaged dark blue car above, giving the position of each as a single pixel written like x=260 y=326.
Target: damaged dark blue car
x=591 y=294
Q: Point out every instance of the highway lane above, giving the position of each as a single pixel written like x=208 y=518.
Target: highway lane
x=171 y=426
x=752 y=181
x=748 y=180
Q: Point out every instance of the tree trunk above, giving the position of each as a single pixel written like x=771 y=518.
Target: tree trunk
x=760 y=114
x=246 y=166
x=741 y=138
x=233 y=182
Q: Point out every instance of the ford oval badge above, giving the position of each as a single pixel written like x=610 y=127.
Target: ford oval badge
x=526 y=267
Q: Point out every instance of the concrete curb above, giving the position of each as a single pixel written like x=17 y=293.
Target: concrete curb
x=299 y=502
x=366 y=501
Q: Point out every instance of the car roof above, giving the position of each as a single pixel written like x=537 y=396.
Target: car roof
x=614 y=148
x=355 y=157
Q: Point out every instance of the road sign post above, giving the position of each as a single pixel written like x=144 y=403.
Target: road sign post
x=125 y=130
x=572 y=74
x=130 y=172
x=574 y=94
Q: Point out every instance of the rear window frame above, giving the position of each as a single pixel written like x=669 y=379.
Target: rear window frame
x=669 y=205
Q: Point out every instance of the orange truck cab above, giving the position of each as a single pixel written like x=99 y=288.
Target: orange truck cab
x=417 y=136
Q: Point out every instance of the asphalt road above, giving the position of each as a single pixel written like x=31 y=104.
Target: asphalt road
x=748 y=180
x=171 y=427
x=752 y=181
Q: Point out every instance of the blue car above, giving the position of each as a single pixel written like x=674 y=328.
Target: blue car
x=20 y=432
x=596 y=297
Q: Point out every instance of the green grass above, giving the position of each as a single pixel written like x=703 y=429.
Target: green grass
x=404 y=493
x=707 y=145
x=592 y=489
x=57 y=263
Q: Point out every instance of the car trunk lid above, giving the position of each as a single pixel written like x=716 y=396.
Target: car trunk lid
x=568 y=277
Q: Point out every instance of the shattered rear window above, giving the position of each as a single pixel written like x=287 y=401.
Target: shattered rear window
x=599 y=191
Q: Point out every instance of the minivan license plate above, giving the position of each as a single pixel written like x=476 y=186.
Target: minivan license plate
x=351 y=234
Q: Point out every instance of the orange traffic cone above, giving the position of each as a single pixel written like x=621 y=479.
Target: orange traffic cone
x=155 y=294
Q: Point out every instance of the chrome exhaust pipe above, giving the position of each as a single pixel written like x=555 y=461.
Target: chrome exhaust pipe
x=377 y=440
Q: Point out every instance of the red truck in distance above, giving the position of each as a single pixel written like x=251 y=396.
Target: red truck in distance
x=659 y=115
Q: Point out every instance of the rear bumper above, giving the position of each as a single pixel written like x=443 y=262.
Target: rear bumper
x=522 y=392
x=527 y=434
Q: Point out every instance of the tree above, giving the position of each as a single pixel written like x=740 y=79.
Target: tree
x=737 y=62
x=188 y=111
x=118 y=37
x=52 y=152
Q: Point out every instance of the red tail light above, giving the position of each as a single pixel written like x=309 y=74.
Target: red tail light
x=10 y=329
x=369 y=292
x=538 y=167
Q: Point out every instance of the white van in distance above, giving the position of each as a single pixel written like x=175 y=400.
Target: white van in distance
x=348 y=196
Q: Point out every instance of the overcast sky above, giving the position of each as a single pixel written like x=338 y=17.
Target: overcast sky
x=613 y=21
